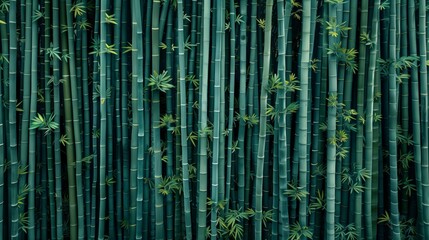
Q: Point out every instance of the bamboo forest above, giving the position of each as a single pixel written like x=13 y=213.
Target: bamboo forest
x=224 y=119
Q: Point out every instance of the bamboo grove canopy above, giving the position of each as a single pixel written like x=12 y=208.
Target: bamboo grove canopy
x=226 y=119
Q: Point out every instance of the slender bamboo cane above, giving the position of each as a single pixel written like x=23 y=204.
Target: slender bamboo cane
x=169 y=112
x=283 y=20
x=32 y=132
x=303 y=109
x=156 y=144
x=396 y=233
x=263 y=121
x=216 y=121
x=422 y=40
x=134 y=139
x=230 y=105
x=358 y=161
x=368 y=215
x=3 y=140
x=202 y=141
x=183 y=129
x=242 y=107
x=331 y=135
x=48 y=110
x=4 y=73
x=13 y=186
x=138 y=77
x=76 y=124
x=57 y=118
x=415 y=107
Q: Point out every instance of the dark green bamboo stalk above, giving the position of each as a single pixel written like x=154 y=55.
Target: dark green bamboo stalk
x=156 y=143
x=331 y=134
x=242 y=107
x=3 y=154
x=57 y=112
x=103 y=119
x=75 y=118
x=358 y=160
x=263 y=120
x=230 y=143
x=283 y=20
x=138 y=78
x=393 y=116
x=415 y=107
x=202 y=138
x=32 y=132
x=425 y=113
x=183 y=120
x=216 y=120
x=13 y=151
x=303 y=110
x=369 y=232
x=49 y=112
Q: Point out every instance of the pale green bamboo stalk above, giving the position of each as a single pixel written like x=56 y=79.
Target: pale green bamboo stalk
x=369 y=121
x=303 y=110
x=202 y=138
x=331 y=134
x=242 y=107
x=155 y=111
x=137 y=75
x=183 y=121
x=230 y=143
x=220 y=8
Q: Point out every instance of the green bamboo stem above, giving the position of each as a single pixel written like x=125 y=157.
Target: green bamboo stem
x=229 y=154
x=138 y=78
x=48 y=110
x=32 y=132
x=368 y=149
x=303 y=110
x=331 y=135
x=242 y=108
x=170 y=147
x=283 y=20
x=216 y=120
x=57 y=112
x=76 y=124
x=183 y=120
x=416 y=118
x=202 y=138
x=147 y=200
x=393 y=116
x=156 y=143
x=3 y=123
x=422 y=40
x=13 y=152
x=263 y=121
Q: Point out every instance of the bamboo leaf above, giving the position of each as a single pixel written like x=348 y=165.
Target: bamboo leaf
x=160 y=82
x=37 y=15
x=78 y=9
x=4 y=6
x=110 y=18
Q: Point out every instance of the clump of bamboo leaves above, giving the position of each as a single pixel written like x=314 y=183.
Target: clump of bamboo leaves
x=228 y=119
